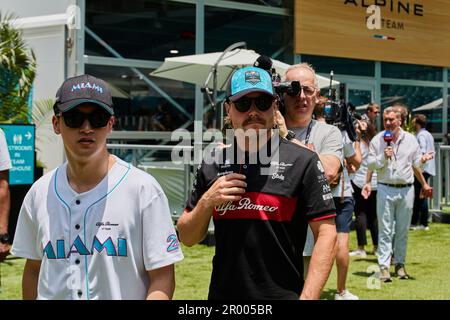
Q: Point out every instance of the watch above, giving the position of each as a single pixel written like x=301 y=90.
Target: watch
x=290 y=135
x=4 y=238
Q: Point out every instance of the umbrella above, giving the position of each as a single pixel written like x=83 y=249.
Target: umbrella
x=436 y=104
x=196 y=68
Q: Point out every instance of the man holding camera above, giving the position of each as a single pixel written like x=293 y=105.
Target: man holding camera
x=261 y=217
x=327 y=141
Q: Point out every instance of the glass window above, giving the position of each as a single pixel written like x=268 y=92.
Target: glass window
x=267 y=34
x=270 y=3
x=410 y=71
x=424 y=100
x=448 y=112
x=144 y=29
x=340 y=66
x=138 y=107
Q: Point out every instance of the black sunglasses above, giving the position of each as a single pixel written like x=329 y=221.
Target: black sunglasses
x=262 y=102
x=75 y=119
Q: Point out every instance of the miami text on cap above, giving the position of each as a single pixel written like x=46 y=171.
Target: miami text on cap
x=83 y=89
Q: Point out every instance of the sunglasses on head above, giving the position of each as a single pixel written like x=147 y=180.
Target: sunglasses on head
x=262 y=102
x=75 y=118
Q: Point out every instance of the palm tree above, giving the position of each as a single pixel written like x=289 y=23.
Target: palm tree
x=42 y=119
x=17 y=72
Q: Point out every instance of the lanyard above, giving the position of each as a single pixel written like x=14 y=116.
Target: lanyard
x=308 y=132
x=398 y=146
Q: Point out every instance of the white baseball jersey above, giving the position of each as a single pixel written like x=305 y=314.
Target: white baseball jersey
x=97 y=244
x=5 y=162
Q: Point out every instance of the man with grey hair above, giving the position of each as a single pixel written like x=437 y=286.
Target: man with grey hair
x=327 y=141
x=395 y=155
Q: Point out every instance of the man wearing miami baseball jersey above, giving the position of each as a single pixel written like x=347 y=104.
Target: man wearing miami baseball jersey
x=261 y=205
x=95 y=227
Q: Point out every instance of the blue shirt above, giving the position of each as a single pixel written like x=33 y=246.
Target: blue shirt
x=426 y=143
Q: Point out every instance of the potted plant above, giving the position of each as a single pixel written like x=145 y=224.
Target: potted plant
x=42 y=115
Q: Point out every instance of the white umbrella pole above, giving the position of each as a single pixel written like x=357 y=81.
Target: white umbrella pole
x=213 y=73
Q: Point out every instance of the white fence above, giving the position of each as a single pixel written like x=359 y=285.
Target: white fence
x=441 y=182
x=175 y=180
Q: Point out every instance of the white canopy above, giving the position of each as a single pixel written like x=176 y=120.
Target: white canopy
x=195 y=68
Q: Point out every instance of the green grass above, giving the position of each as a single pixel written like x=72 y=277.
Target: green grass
x=427 y=262
x=11 y=278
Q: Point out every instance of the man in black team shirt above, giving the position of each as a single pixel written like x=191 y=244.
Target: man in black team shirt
x=260 y=219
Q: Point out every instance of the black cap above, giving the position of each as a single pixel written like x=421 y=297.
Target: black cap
x=83 y=89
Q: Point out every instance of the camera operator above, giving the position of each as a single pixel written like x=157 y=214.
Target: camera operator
x=327 y=141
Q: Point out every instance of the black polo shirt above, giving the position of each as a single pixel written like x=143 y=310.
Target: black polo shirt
x=260 y=239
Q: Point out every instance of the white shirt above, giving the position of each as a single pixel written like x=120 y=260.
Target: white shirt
x=344 y=188
x=426 y=143
x=359 y=177
x=5 y=161
x=398 y=169
x=98 y=244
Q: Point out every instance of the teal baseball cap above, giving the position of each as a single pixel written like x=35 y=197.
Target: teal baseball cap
x=247 y=80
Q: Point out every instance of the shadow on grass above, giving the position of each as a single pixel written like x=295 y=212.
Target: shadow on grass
x=362 y=274
x=393 y=276
x=327 y=294
x=365 y=260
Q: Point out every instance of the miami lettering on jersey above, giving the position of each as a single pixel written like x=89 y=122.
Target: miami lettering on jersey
x=78 y=246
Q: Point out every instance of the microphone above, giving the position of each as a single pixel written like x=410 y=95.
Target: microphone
x=388 y=137
x=263 y=62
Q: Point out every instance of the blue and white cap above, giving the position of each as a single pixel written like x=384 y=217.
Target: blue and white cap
x=247 y=80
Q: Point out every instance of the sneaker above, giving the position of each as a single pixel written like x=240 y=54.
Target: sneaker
x=345 y=295
x=358 y=253
x=413 y=228
x=385 y=276
x=400 y=271
x=422 y=227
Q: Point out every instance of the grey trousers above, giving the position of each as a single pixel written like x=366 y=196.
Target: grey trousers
x=394 y=211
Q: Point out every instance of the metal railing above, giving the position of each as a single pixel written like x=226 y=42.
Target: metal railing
x=441 y=182
x=186 y=167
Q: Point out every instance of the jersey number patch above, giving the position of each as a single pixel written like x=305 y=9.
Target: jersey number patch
x=173 y=243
